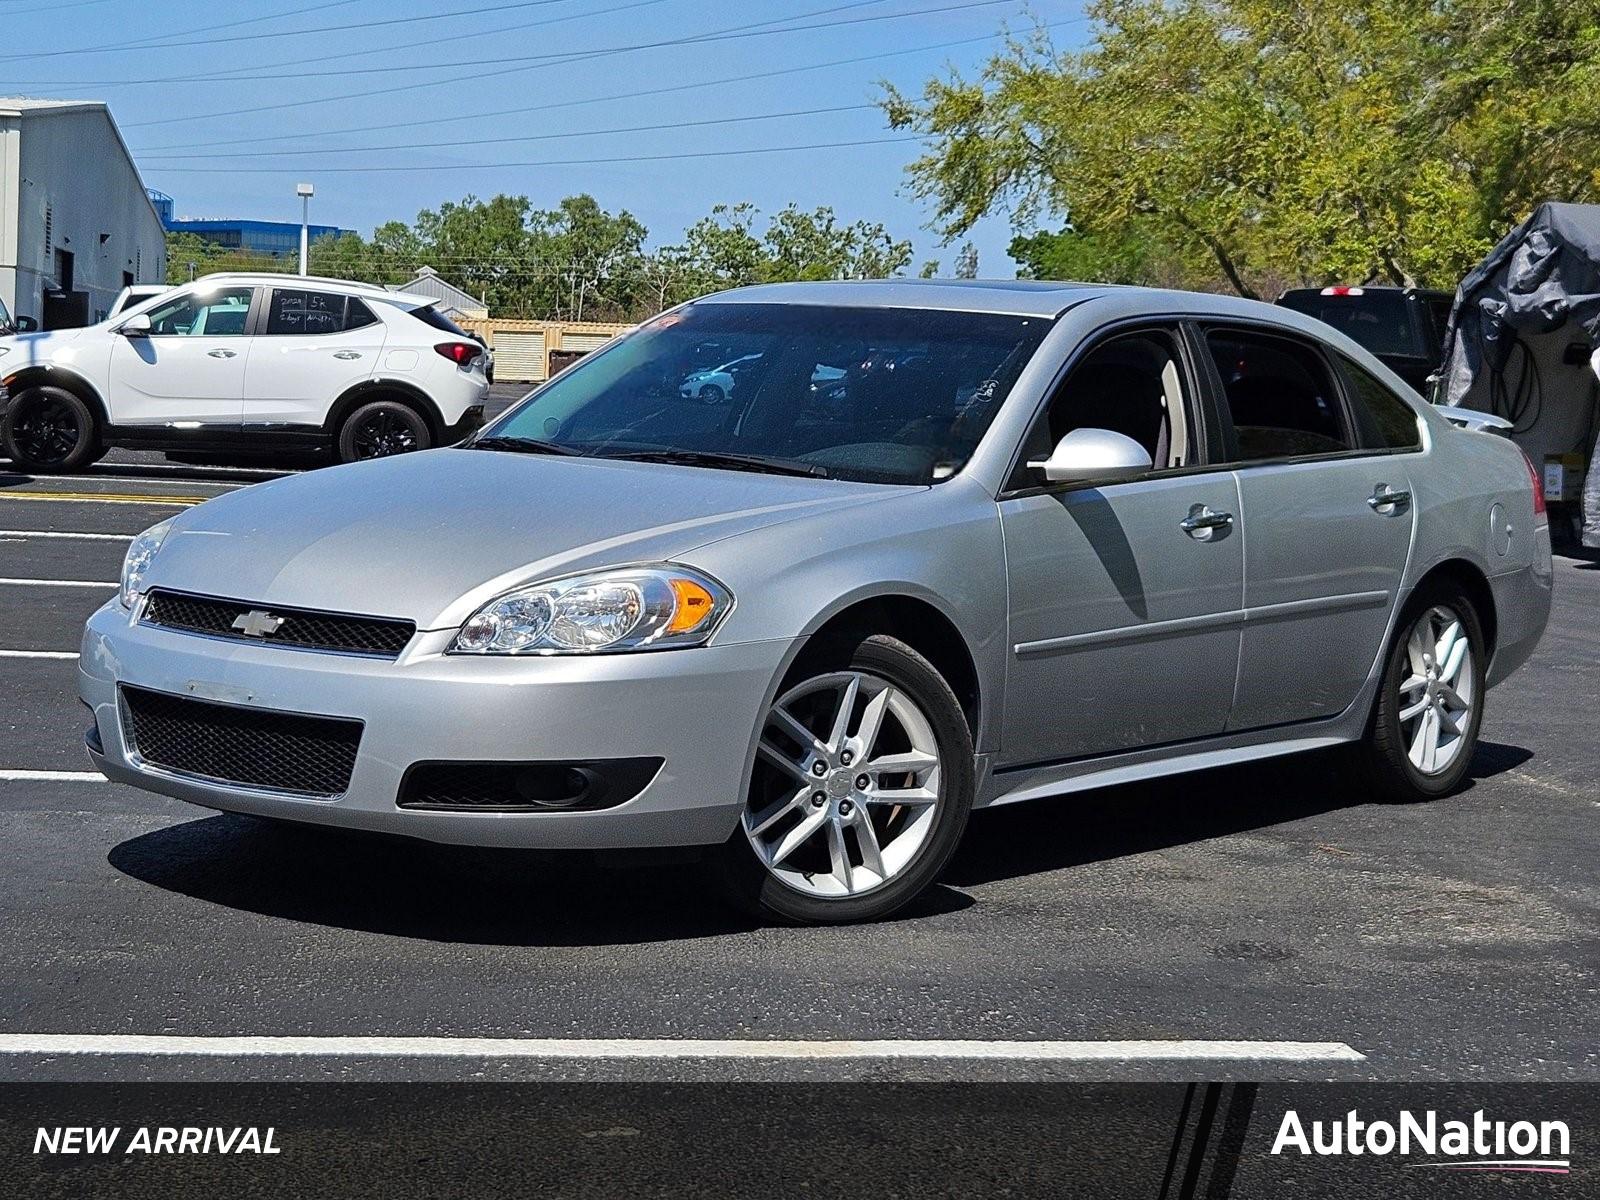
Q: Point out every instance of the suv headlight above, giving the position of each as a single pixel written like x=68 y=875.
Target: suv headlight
x=141 y=553
x=631 y=608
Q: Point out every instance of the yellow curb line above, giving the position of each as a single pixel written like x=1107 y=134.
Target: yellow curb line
x=105 y=498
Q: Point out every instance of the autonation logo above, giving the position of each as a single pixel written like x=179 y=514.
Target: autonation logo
x=1478 y=1144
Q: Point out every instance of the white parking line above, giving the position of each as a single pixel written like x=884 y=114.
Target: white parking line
x=38 y=654
x=166 y=1045
x=51 y=777
x=77 y=583
x=77 y=537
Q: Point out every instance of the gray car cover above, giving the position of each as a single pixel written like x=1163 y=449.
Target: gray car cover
x=1543 y=278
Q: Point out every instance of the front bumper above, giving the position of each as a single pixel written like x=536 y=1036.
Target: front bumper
x=696 y=709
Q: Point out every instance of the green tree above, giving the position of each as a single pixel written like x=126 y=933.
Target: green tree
x=1252 y=143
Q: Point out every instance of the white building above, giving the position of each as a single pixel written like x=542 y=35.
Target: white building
x=75 y=223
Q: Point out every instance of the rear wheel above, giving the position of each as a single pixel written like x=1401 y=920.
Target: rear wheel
x=48 y=430
x=1425 y=724
x=380 y=429
x=861 y=790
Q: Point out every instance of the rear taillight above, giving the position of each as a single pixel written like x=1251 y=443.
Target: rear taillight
x=1344 y=291
x=1538 y=486
x=460 y=353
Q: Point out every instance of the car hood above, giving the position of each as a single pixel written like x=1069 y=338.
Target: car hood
x=430 y=537
x=25 y=348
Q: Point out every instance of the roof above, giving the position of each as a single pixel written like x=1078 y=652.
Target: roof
x=28 y=104
x=1018 y=297
x=195 y=224
x=283 y=279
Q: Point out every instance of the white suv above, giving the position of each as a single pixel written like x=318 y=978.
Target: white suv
x=243 y=363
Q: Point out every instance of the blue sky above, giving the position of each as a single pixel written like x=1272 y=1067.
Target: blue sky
x=304 y=88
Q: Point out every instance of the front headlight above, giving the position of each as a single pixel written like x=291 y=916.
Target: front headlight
x=633 y=608
x=141 y=553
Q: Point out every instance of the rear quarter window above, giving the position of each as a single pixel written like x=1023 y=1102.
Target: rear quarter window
x=1387 y=422
x=432 y=316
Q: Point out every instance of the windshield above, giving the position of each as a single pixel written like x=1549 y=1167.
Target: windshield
x=872 y=394
x=5 y=317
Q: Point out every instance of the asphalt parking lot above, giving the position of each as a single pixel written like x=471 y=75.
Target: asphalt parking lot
x=1458 y=940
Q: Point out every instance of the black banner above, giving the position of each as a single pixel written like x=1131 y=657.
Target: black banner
x=1162 y=1141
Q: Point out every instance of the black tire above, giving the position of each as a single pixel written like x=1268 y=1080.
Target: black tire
x=48 y=430
x=752 y=887
x=712 y=395
x=1382 y=760
x=381 y=429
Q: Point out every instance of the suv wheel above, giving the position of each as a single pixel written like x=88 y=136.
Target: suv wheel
x=382 y=428
x=861 y=790
x=48 y=429
x=1424 y=727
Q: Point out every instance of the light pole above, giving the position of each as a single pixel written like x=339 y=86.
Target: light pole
x=305 y=191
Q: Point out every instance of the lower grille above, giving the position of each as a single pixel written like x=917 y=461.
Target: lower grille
x=341 y=633
x=255 y=747
x=526 y=787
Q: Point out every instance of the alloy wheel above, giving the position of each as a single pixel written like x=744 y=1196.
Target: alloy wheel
x=1437 y=697
x=383 y=434
x=47 y=431
x=847 y=787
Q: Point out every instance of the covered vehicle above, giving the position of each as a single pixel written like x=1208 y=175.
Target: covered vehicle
x=1524 y=344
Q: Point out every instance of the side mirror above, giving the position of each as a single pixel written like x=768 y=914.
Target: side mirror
x=27 y=324
x=1089 y=455
x=137 y=325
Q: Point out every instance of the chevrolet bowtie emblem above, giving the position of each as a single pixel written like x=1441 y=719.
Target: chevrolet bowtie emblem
x=257 y=623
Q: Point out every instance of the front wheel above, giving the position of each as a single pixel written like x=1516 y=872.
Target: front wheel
x=381 y=429
x=1425 y=724
x=861 y=789
x=49 y=430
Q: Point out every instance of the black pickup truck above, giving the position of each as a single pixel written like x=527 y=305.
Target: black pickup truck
x=1403 y=327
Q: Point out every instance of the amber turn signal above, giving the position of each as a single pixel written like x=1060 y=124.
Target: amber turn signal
x=695 y=604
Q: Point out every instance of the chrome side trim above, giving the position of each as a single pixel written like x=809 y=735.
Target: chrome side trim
x=1154 y=630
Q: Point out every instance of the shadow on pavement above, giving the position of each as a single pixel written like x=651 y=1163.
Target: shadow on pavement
x=406 y=888
x=1136 y=818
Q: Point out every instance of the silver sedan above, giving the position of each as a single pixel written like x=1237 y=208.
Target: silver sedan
x=1037 y=538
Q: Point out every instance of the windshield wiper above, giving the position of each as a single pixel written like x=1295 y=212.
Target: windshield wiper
x=522 y=445
x=726 y=461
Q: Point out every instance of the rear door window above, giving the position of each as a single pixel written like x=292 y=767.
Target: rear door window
x=297 y=311
x=1280 y=393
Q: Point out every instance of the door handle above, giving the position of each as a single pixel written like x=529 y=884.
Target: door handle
x=347 y=354
x=1203 y=523
x=221 y=353
x=1387 y=501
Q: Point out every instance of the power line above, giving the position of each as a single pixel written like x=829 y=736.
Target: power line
x=550 y=106
x=587 y=14
x=528 y=65
x=52 y=8
x=272 y=71
x=533 y=137
x=159 y=41
x=108 y=48
x=556 y=162
x=554 y=57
